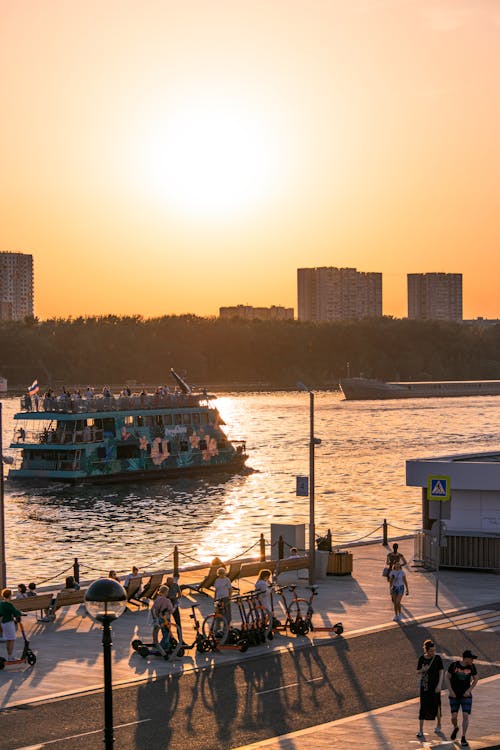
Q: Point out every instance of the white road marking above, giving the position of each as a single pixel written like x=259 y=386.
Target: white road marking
x=285 y=687
x=41 y=745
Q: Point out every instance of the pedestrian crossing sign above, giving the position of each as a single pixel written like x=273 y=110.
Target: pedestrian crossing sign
x=438 y=488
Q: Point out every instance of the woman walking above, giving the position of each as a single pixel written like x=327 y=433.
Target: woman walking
x=8 y=615
x=430 y=670
x=398 y=583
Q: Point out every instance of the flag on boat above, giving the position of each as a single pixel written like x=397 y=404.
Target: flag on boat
x=33 y=388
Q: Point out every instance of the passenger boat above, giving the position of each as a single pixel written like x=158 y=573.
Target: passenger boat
x=365 y=389
x=109 y=439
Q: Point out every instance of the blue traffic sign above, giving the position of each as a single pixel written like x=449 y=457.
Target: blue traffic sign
x=438 y=488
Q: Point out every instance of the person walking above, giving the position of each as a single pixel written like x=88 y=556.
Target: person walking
x=8 y=615
x=161 y=611
x=395 y=556
x=174 y=594
x=461 y=679
x=398 y=583
x=430 y=670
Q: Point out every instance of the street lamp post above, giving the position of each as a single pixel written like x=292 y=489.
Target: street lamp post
x=313 y=441
x=3 y=565
x=105 y=600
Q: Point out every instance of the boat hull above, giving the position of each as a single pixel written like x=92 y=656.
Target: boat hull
x=364 y=389
x=34 y=475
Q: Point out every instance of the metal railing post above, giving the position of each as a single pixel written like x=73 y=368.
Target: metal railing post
x=262 y=548
x=76 y=570
x=281 y=548
x=384 y=526
x=176 y=561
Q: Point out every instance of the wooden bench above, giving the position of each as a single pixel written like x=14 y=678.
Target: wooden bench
x=54 y=601
x=252 y=570
x=292 y=563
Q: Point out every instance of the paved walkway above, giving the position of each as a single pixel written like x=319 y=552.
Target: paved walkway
x=69 y=650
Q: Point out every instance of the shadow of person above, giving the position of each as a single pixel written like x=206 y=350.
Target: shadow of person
x=148 y=696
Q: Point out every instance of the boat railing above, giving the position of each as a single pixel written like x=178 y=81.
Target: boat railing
x=61 y=405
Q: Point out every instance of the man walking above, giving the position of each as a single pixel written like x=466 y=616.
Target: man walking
x=461 y=679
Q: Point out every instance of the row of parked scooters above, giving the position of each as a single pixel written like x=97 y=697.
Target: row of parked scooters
x=258 y=625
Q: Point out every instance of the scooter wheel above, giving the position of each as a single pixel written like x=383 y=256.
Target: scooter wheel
x=243 y=646
x=270 y=635
x=143 y=651
x=293 y=628
x=136 y=643
x=2 y=662
x=31 y=658
x=338 y=628
x=180 y=653
x=302 y=628
x=200 y=647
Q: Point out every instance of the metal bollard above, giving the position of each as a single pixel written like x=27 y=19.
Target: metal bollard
x=176 y=561
x=281 y=548
x=384 y=540
x=76 y=570
x=262 y=548
x=329 y=540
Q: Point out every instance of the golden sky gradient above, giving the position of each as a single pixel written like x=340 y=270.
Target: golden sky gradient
x=168 y=157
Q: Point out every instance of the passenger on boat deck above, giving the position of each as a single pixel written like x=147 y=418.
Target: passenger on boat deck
x=36 y=401
x=27 y=402
x=89 y=393
x=165 y=390
x=106 y=391
x=76 y=395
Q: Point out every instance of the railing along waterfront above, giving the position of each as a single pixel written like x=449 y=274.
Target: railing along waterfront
x=174 y=566
x=116 y=403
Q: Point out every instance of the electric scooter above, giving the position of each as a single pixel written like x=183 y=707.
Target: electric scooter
x=27 y=655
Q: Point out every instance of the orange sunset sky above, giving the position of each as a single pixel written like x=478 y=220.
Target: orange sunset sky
x=163 y=157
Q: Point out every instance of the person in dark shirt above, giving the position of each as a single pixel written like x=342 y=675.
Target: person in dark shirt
x=430 y=670
x=461 y=679
x=8 y=615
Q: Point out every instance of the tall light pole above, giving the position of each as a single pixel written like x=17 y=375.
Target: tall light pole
x=105 y=600
x=3 y=566
x=312 y=443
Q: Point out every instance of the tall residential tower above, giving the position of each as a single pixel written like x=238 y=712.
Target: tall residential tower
x=435 y=296
x=16 y=286
x=338 y=294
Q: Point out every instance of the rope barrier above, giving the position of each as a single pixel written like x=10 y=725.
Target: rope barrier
x=399 y=528
x=349 y=541
x=52 y=578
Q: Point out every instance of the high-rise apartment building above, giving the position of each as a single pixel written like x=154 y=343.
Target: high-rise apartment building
x=338 y=294
x=16 y=285
x=435 y=296
x=275 y=312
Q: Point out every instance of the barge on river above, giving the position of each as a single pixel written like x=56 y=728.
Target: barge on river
x=126 y=438
x=364 y=389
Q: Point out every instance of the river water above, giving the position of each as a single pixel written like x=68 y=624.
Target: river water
x=360 y=480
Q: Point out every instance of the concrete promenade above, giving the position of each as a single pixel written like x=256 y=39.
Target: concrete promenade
x=69 y=650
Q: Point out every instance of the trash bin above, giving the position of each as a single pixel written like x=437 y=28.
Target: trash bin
x=339 y=564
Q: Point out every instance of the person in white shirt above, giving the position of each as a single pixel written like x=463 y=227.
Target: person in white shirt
x=398 y=583
x=262 y=588
x=223 y=591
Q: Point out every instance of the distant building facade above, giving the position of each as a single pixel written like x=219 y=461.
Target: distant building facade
x=247 y=312
x=16 y=285
x=329 y=293
x=435 y=296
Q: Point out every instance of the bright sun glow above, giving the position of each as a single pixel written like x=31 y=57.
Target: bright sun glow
x=213 y=160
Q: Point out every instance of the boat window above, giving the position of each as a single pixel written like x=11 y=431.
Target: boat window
x=211 y=417
x=101 y=452
x=108 y=425
x=169 y=446
x=148 y=421
x=186 y=418
x=98 y=424
x=168 y=418
x=203 y=444
x=159 y=420
x=127 y=451
x=204 y=417
x=90 y=422
x=178 y=419
x=184 y=445
x=129 y=420
x=196 y=418
x=140 y=422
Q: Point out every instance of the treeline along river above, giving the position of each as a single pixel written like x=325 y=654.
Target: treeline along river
x=114 y=349
x=360 y=480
